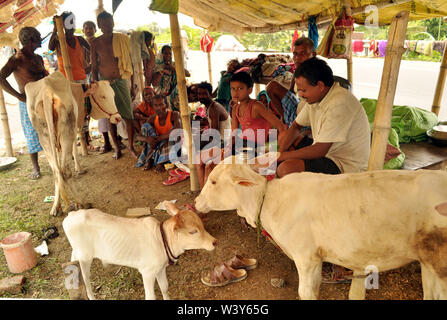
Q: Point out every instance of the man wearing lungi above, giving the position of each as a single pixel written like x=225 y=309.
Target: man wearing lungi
x=26 y=67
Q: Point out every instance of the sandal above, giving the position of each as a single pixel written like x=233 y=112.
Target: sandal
x=173 y=180
x=92 y=148
x=239 y=262
x=223 y=275
x=336 y=276
x=177 y=172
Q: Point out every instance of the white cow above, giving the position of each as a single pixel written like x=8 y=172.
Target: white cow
x=384 y=219
x=54 y=113
x=144 y=243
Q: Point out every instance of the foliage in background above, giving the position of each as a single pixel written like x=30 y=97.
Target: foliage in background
x=430 y=29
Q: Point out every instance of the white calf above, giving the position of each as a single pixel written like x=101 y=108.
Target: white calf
x=144 y=244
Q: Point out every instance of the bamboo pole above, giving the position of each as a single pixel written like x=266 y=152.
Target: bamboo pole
x=349 y=61
x=440 y=84
x=210 y=73
x=349 y=70
x=5 y=123
x=183 y=97
x=382 y=119
x=257 y=89
x=68 y=72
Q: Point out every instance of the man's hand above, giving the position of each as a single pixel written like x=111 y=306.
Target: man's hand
x=22 y=97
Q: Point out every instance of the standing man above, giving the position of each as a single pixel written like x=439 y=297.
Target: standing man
x=26 y=67
x=284 y=101
x=110 y=56
x=89 y=30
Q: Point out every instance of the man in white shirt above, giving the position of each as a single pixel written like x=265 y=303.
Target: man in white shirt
x=340 y=127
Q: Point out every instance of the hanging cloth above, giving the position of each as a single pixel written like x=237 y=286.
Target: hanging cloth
x=313 y=30
x=295 y=37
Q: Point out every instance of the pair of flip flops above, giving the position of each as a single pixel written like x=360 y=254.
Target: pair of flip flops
x=233 y=270
x=175 y=176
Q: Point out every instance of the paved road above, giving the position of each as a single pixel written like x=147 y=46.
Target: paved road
x=416 y=84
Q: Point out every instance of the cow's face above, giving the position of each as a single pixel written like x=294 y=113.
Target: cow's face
x=189 y=230
x=102 y=97
x=230 y=186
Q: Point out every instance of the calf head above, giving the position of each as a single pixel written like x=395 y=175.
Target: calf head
x=188 y=229
x=232 y=186
x=102 y=98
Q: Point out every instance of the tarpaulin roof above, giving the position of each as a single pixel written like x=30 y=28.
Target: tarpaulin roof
x=14 y=13
x=239 y=16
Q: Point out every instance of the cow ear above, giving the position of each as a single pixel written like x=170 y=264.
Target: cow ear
x=442 y=208
x=91 y=89
x=171 y=208
x=178 y=222
x=242 y=181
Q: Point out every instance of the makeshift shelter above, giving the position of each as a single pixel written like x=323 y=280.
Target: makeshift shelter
x=262 y=16
x=228 y=43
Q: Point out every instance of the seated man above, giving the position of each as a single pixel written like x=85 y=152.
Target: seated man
x=144 y=110
x=285 y=102
x=218 y=119
x=155 y=133
x=340 y=128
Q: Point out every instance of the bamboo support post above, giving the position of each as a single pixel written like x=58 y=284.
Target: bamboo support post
x=68 y=72
x=382 y=119
x=257 y=89
x=440 y=84
x=210 y=73
x=141 y=78
x=349 y=61
x=183 y=97
x=349 y=70
x=5 y=124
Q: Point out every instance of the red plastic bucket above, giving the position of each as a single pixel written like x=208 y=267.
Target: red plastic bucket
x=19 y=252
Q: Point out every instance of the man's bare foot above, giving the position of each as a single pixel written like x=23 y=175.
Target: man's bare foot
x=105 y=149
x=117 y=154
x=34 y=175
x=159 y=168
x=148 y=165
x=133 y=153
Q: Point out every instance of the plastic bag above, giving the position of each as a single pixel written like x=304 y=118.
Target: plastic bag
x=164 y=6
x=341 y=43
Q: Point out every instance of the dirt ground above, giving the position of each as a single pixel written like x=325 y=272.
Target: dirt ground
x=113 y=186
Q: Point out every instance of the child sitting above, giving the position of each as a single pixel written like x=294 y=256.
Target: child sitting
x=155 y=133
x=144 y=110
x=255 y=121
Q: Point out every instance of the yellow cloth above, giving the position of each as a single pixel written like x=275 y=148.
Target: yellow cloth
x=121 y=50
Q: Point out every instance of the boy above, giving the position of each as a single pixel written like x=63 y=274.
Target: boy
x=111 y=61
x=144 y=110
x=218 y=119
x=26 y=67
x=155 y=133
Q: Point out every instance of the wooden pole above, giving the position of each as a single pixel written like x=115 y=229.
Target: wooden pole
x=257 y=89
x=183 y=97
x=68 y=72
x=349 y=61
x=210 y=73
x=440 y=84
x=382 y=119
x=5 y=124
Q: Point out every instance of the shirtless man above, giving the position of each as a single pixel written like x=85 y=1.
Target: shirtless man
x=26 y=67
x=105 y=66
